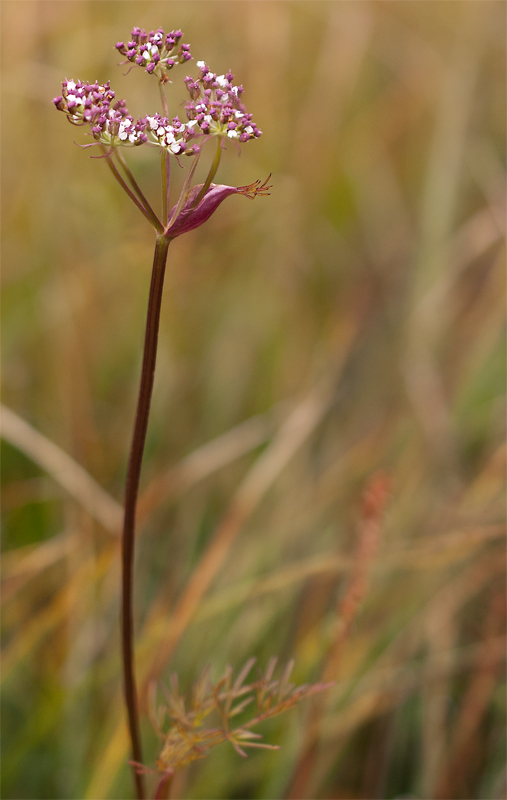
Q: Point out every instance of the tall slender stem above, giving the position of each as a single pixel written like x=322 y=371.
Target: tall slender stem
x=131 y=491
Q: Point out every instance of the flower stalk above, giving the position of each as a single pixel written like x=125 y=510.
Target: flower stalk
x=154 y=220
x=214 y=111
x=211 y=173
x=131 y=492
x=128 y=191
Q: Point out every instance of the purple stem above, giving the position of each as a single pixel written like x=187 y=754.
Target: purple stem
x=131 y=492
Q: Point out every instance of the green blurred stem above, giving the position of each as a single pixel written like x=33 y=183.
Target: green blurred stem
x=166 y=161
x=163 y=98
x=137 y=189
x=211 y=173
x=166 y=183
x=131 y=492
x=128 y=191
x=184 y=192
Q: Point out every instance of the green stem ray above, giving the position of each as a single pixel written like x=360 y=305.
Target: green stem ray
x=137 y=189
x=211 y=173
x=128 y=191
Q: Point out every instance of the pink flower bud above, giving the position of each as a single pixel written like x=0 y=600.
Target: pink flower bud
x=192 y=216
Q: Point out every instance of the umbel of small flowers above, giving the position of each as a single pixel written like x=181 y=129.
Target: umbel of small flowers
x=157 y=52
x=215 y=112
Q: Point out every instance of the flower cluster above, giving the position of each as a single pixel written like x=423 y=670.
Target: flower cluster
x=172 y=136
x=215 y=106
x=92 y=103
x=156 y=51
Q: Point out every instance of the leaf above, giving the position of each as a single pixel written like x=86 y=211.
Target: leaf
x=240 y=707
x=284 y=683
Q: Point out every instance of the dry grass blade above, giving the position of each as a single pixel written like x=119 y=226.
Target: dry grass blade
x=65 y=471
x=204 y=461
x=292 y=434
x=442 y=550
x=374 y=503
x=19 y=568
x=53 y=614
x=402 y=679
x=474 y=705
x=394 y=675
x=372 y=515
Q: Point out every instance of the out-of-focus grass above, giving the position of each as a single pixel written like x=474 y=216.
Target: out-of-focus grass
x=357 y=314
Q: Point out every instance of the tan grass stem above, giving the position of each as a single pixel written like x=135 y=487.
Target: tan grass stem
x=372 y=515
x=63 y=469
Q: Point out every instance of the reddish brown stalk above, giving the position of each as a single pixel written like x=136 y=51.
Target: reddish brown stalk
x=131 y=492
x=374 y=502
x=372 y=514
x=163 y=787
x=463 y=748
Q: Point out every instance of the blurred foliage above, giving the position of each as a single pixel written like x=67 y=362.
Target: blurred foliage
x=357 y=315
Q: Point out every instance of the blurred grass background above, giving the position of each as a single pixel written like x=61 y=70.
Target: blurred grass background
x=350 y=323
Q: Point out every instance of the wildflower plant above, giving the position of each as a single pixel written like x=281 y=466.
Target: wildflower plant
x=218 y=713
x=215 y=112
